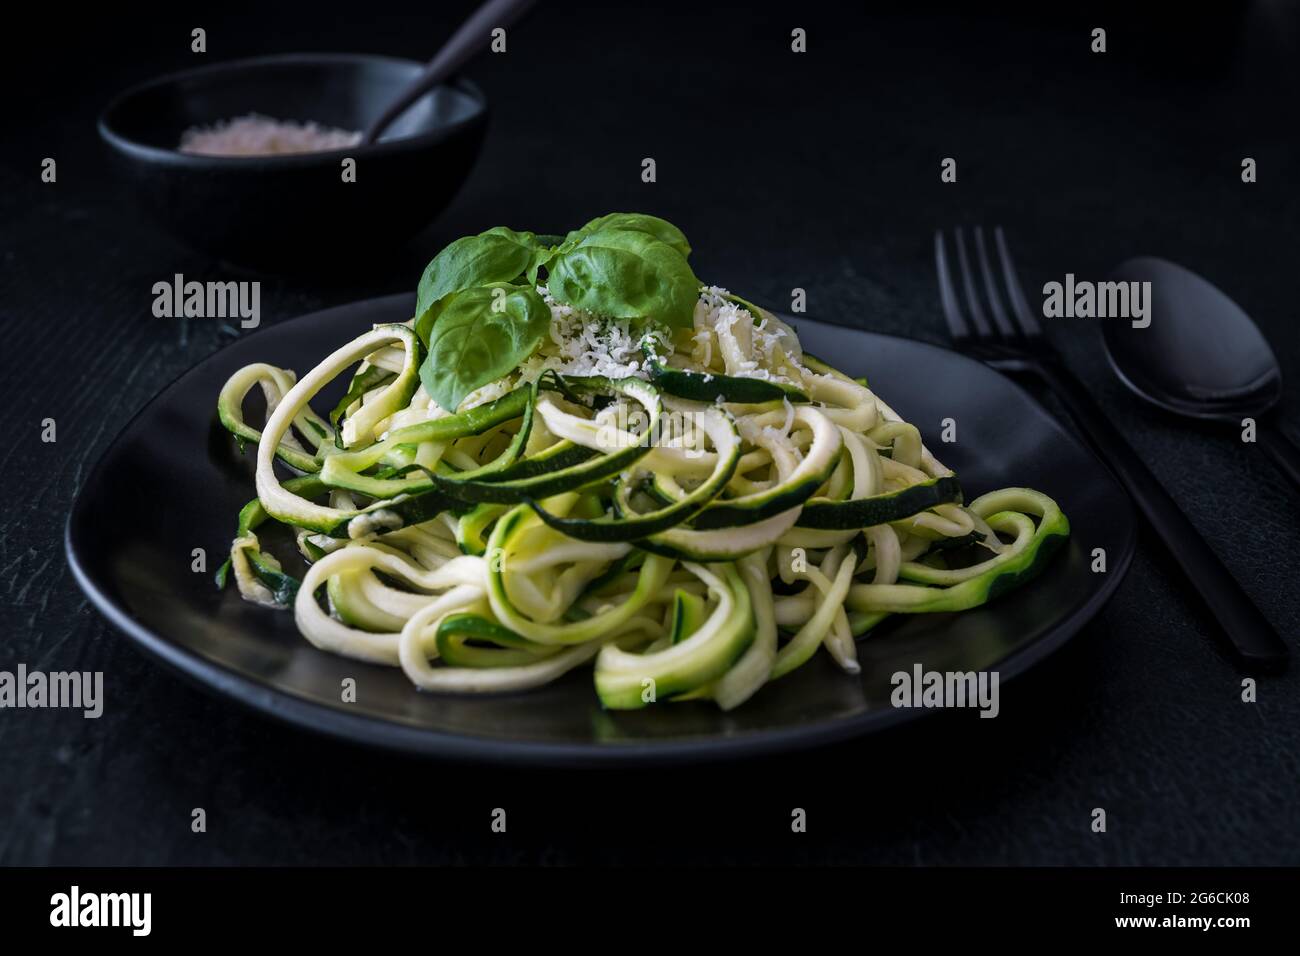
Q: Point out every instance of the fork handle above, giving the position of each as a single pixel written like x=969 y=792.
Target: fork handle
x=1251 y=637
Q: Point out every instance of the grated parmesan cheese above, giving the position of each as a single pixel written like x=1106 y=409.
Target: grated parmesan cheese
x=765 y=349
x=583 y=343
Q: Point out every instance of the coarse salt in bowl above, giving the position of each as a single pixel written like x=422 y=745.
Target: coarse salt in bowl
x=256 y=135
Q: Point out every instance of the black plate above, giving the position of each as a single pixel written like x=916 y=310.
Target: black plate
x=174 y=481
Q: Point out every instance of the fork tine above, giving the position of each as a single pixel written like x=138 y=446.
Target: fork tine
x=982 y=328
x=1000 y=318
x=1019 y=307
x=947 y=294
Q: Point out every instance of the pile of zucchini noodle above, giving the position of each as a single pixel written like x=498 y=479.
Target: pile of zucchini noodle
x=697 y=528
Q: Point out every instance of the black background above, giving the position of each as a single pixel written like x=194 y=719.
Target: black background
x=818 y=171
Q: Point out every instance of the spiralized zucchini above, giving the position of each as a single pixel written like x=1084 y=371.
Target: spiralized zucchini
x=693 y=548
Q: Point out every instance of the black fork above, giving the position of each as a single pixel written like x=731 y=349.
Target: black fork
x=990 y=320
x=1013 y=337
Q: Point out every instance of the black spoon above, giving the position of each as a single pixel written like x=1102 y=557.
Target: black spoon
x=1200 y=356
x=467 y=42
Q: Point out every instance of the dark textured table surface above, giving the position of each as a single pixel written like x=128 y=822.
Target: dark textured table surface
x=818 y=171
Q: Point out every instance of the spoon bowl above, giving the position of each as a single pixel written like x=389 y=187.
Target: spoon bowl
x=270 y=211
x=1201 y=356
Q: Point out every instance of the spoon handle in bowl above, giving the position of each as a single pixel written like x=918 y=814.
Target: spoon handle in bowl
x=465 y=44
x=1278 y=447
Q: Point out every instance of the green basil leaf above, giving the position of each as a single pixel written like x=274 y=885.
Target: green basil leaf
x=547 y=247
x=498 y=255
x=626 y=274
x=524 y=238
x=481 y=334
x=653 y=226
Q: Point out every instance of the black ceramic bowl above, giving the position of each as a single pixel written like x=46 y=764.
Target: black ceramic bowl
x=269 y=211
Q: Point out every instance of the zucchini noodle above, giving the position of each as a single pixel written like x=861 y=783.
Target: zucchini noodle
x=692 y=512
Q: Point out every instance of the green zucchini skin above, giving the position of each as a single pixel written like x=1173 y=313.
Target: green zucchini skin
x=880 y=509
x=231 y=416
x=284 y=587
x=811 y=474
x=561 y=455
x=629 y=562
x=622 y=679
x=545 y=485
x=363 y=381
x=284 y=504
x=251 y=517
x=502 y=488
x=254 y=514
x=952 y=544
x=413 y=509
x=511 y=650
x=688 y=615
x=650 y=578
x=472 y=421
x=1040 y=554
x=720 y=514
x=625 y=526
x=822 y=367
x=395 y=396
x=341 y=591
x=345 y=470
x=717 y=544
x=730 y=388
x=1051 y=533
x=628 y=525
x=472 y=525
x=755 y=312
